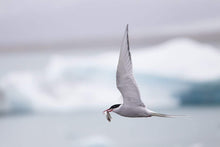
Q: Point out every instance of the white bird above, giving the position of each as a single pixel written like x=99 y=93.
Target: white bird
x=132 y=104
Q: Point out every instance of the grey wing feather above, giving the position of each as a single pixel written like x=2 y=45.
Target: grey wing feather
x=124 y=76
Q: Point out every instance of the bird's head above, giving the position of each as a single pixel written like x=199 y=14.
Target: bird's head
x=112 y=108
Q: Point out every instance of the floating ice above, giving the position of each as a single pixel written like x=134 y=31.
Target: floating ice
x=70 y=82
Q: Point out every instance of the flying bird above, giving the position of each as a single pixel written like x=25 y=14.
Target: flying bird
x=132 y=104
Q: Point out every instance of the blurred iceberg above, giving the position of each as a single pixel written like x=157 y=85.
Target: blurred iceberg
x=207 y=93
x=75 y=81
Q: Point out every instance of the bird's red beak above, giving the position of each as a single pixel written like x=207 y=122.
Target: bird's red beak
x=108 y=110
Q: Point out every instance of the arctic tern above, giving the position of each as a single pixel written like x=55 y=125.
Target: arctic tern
x=132 y=104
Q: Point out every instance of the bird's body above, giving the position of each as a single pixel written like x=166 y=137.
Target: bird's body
x=132 y=104
x=131 y=111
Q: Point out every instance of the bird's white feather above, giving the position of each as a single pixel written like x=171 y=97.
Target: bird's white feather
x=124 y=76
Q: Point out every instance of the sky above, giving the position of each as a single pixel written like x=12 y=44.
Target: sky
x=37 y=21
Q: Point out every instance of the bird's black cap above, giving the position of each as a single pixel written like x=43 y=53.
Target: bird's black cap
x=114 y=106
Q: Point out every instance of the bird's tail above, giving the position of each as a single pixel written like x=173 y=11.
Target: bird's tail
x=160 y=114
x=165 y=115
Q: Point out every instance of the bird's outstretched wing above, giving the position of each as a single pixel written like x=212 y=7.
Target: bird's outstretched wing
x=126 y=83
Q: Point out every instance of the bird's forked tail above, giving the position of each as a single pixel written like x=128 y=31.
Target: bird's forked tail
x=152 y=113
x=161 y=115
